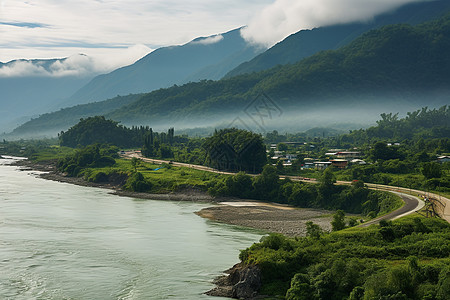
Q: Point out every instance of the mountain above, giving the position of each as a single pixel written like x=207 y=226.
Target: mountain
x=308 y=42
x=203 y=58
x=31 y=87
x=50 y=124
x=396 y=68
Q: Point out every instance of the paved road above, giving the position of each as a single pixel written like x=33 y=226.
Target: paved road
x=412 y=203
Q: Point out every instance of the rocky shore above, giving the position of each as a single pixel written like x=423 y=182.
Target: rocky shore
x=239 y=282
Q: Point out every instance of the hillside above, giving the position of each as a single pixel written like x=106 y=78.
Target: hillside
x=308 y=42
x=395 y=68
x=203 y=58
x=50 y=124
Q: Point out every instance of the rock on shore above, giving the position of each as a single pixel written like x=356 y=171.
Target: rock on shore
x=241 y=282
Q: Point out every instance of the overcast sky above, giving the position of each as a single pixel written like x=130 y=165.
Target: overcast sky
x=117 y=32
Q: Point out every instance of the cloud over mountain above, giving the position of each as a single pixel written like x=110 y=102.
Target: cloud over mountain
x=76 y=65
x=284 y=17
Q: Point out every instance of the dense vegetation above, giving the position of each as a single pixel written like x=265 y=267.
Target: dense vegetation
x=405 y=259
x=100 y=130
x=308 y=42
x=387 y=63
x=93 y=156
x=397 y=151
x=234 y=149
x=357 y=198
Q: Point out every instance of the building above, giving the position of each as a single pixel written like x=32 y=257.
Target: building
x=322 y=165
x=339 y=163
x=349 y=155
x=308 y=165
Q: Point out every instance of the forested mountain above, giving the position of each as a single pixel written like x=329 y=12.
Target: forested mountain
x=203 y=58
x=51 y=124
x=394 y=68
x=308 y=42
x=391 y=67
x=31 y=87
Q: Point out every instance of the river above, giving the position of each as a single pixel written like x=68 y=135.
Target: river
x=61 y=241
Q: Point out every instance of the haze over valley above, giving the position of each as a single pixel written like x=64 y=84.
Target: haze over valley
x=365 y=70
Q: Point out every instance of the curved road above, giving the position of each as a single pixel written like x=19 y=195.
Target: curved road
x=412 y=203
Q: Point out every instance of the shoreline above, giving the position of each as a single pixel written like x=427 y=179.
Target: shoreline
x=264 y=216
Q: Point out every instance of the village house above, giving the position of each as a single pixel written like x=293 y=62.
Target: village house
x=348 y=155
x=339 y=163
x=322 y=165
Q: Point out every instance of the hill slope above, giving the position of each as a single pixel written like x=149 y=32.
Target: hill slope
x=203 y=58
x=50 y=124
x=395 y=68
x=308 y=42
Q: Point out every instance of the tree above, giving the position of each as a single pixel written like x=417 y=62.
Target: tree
x=282 y=147
x=338 y=222
x=236 y=149
x=266 y=185
x=431 y=170
x=313 y=230
x=135 y=162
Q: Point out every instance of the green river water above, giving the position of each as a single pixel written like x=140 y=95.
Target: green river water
x=61 y=241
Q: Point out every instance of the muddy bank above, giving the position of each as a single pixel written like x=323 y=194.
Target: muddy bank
x=51 y=173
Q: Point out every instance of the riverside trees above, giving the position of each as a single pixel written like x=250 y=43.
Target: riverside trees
x=236 y=150
x=98 y=130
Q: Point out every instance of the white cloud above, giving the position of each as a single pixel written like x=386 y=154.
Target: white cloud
x=41 y=28
x=209 y=40
x=76 y=65
x=284 y=17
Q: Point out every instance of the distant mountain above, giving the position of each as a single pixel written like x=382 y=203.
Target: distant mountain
x=50 y=124
x=308 y=42
x=398 y=67
x=31 y=87
x=203 y=58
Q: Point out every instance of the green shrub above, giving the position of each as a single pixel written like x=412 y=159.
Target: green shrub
x=137 y=183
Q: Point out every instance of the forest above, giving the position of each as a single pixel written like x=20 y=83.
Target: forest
x=404 y=259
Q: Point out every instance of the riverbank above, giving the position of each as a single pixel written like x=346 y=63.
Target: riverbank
x=253 y=214
x=268 y=217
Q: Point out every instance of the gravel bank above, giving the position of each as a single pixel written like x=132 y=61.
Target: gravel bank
x=268 y=217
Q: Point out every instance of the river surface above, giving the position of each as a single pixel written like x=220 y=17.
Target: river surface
x=61 y=241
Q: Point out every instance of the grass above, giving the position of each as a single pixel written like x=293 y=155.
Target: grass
x=51 y=153
x=167 y=179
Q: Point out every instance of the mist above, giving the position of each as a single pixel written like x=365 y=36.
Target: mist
x=77 y=65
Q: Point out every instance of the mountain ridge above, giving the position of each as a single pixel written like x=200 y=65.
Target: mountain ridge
x=167 y=66
x=308 y=42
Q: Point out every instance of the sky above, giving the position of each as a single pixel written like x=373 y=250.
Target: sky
x=114 y=33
